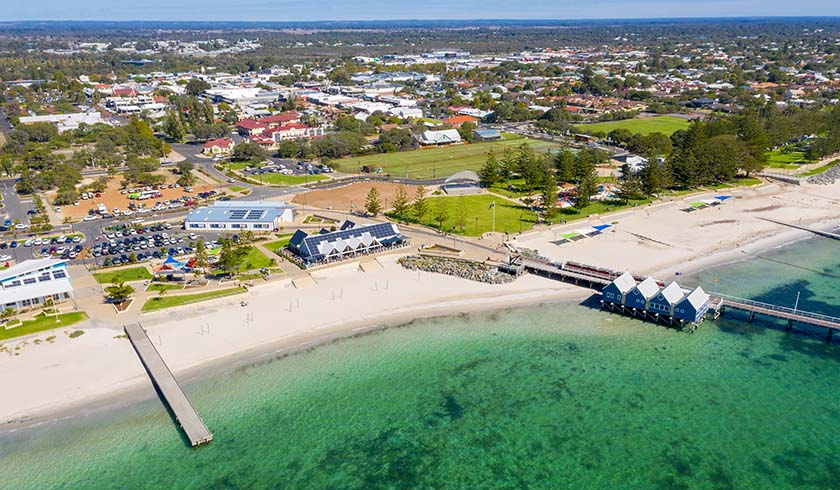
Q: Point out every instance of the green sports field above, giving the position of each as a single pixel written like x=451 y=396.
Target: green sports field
x=667 y=125
x=510 y=217
x=436 y=162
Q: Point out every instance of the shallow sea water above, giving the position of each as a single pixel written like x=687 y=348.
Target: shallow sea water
x=549 y=396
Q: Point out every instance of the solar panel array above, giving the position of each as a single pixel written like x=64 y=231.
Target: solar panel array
x=238 y=213
x=255 y=214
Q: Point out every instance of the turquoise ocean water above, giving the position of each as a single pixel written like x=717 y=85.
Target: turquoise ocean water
x=549 y=396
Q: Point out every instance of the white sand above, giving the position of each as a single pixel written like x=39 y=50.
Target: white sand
x=49 y=377
x=70 y=373
x=662 y=239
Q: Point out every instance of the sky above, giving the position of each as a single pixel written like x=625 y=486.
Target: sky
x=311 y=10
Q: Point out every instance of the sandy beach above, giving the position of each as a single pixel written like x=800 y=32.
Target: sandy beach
x=70 y=375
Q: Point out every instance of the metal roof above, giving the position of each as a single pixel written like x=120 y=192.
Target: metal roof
x=648 y=288
x=28 y=266
x=38 y=290
x=239 y=211
x=625 y=282
x=315 y=246
x=697 y=298
x=672 y=293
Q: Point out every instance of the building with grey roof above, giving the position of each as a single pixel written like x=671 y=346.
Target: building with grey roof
x=234 y=216
x=350 y=241
x=35 y=282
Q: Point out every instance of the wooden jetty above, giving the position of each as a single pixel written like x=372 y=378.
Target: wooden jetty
x=597 y=278
x=168 y=386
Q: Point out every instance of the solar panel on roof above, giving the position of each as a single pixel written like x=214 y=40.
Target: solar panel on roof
x=238 y=213
x=255 y=214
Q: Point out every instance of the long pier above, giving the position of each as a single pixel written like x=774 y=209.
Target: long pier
x=168 y=386
x=596 y=278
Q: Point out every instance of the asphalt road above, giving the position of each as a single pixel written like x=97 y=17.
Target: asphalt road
x=12 y=205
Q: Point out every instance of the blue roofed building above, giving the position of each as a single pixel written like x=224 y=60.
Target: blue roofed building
x=234 y=216
x=693 y=307
x=350 y=241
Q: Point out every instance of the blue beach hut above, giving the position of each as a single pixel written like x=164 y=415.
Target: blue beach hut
x=693 y=307
x=616 y=291
x=664 y=302
x=639 y=296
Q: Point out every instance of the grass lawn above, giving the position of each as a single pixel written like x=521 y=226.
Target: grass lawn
x=252 y=260
x=479 y=215
x=132 y=274
x=738 y=182
x=822 y=169
x=667 y=125
x=237 y=188
x=777 y=159
x=164 y=287
x=436 y=162
x=42 y=323
x=511 y=188
x=280 y=179
x=278 y=244
x=154 y=304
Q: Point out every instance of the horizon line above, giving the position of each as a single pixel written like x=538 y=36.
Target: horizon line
x=465 y=20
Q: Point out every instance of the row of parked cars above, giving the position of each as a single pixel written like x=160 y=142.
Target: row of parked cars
x=37 y=242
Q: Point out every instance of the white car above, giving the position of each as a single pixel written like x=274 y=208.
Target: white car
x=21 y=226
x=27 y=243
x=90 y=217
x=58 y=210
x=5 y=258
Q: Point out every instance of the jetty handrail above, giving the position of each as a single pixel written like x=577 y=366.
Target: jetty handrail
x=783 y=309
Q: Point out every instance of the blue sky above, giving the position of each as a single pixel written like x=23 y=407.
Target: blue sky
x=301 y=10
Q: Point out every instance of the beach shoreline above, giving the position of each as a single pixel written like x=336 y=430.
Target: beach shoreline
x=108 y=374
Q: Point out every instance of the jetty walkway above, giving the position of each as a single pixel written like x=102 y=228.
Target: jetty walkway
x=168 y=386
x=596 y=278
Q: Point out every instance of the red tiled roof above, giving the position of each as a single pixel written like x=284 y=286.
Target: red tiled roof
x=220 y=142
x=281 y=118
x=250 y=124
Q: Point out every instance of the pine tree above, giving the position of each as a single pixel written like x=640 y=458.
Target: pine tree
x=549 y=196
x=489 y=173
x=586 y=189
x=441 y=212
x=421 y=204
x=461 y=213
x=400 y=202
x=174 y=128
x=373 y=202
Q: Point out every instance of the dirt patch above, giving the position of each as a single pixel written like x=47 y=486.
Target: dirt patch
x=353 y=195
x=112 y=198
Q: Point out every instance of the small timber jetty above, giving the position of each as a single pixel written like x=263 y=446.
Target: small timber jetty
x=168 y=386
x=671 y=304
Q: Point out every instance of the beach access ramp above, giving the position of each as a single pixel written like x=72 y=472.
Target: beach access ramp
x=168 y=387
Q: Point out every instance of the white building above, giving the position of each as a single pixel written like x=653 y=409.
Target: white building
x=66 y=122
x=443 y=137
x=259 y=216
x=33 y=282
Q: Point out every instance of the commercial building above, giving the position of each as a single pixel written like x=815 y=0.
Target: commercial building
x=350 y=241
x=66 y=122
x=34 y=282
x=235 y=216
